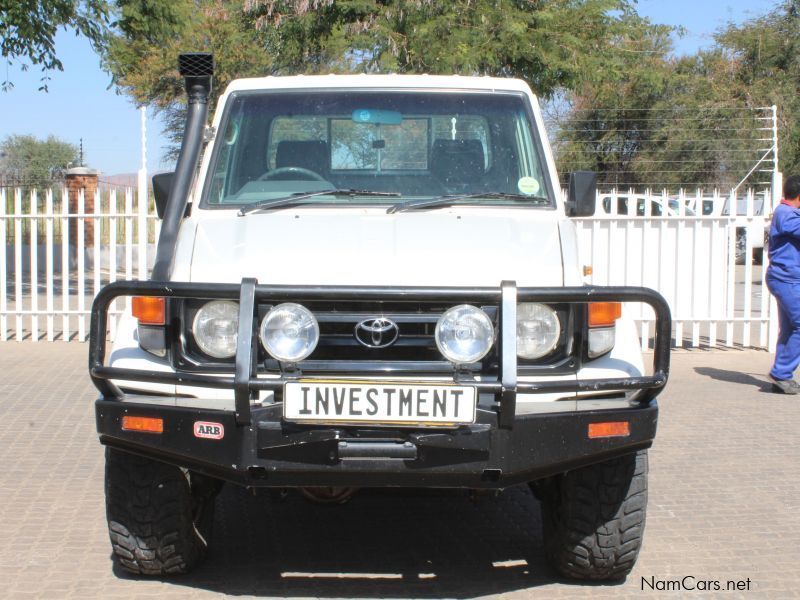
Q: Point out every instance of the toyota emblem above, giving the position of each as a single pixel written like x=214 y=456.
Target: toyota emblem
x=376 y=333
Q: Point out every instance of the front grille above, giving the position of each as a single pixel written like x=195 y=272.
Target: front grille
x=339 y=352
x=414 y=349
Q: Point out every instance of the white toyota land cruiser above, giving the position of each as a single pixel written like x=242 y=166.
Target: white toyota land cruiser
x=368 y=281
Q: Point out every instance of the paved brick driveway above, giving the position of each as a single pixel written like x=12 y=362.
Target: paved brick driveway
x=724 y=504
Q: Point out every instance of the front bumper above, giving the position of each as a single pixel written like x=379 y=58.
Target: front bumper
x=269 y=452
x=259 y=448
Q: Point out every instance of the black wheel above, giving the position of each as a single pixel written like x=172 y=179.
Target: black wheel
x=159 y=516
x=594 y=518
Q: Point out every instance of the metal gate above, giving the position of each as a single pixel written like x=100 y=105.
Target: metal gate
x=705 y=254
x=685 y=246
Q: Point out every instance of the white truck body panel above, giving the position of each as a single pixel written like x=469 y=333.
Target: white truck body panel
x=356 y=245
x=458 y=246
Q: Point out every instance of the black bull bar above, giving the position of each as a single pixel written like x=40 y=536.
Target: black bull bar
x=249 y=293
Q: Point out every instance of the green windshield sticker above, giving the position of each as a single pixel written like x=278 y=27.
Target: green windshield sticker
x=528 y=185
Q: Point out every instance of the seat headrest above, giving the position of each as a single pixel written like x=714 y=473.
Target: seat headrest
x=457 y=161
x=312 y=154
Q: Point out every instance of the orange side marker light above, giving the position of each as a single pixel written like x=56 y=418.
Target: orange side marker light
x=150 y=310
x=145 y=424
x=609 y=429
x=604 y=314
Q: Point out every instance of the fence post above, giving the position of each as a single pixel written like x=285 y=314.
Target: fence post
x=112 y=256
x=143 y=198
x=34 y=267
x=81 y=266
x=777 y=193
x=3 y=268
x=128 y=233
x=48 y=253
x=18 y=261
x=97 y=220
x=141 y=193
x=772 y=327
x=65 y=266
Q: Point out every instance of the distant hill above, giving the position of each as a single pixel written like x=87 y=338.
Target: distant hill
x=119 y=180
x=122 y=180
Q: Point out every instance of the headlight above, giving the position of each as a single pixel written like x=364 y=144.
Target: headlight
x=538 y=330
x=464 y=334
x=215 y=328
x=289 y=332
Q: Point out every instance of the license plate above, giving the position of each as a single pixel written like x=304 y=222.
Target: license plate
x=388 y=403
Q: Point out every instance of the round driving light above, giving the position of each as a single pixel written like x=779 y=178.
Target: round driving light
x=215 y=328
x=538 y=330
x=464 y=334
x=289 y=332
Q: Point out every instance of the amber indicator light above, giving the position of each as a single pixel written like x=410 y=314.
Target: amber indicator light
x=149 y=310
x=604 y=314
x=146 y=424
x=609 y=429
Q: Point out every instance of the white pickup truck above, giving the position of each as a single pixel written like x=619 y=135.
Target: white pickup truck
x=372 y=281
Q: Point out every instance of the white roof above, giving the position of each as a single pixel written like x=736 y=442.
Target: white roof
x=380 y=81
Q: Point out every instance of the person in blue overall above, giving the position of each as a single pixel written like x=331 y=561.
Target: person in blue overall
x=783 y=281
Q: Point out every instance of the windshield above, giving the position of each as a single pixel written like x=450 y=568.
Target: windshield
x=741 y=206
x=412 y=144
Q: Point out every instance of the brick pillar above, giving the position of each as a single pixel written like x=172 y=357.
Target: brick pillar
x=81 y=178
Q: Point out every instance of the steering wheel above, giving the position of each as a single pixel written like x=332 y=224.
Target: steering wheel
x=307 y=174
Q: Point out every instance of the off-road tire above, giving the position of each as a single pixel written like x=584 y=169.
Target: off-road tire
x=593 y=518
x=159 y=516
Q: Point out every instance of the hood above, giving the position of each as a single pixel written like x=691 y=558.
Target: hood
x=444 y=247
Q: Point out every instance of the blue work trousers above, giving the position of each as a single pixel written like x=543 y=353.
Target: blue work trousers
x=787 y=353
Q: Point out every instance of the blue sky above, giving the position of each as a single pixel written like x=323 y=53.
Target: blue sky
x=80 y=103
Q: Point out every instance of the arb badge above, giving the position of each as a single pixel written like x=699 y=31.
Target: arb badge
x=211 y=431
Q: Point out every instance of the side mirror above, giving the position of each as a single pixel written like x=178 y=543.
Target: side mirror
x=162 y=183
x=582 y=194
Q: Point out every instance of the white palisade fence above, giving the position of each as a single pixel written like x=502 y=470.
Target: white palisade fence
x=687 y=248
x=56 y=257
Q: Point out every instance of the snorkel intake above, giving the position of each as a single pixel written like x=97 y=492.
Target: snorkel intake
x=196 y=68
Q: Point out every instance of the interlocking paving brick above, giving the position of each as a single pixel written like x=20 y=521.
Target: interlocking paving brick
x=724 y=504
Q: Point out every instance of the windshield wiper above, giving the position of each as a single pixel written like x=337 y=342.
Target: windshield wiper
x=276 y=202
x=453 y=198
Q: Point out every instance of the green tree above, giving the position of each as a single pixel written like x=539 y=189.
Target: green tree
x=765 y=54
x=142 y=48
x=668 y=123
x=28 y=29
x=549 y=44
x=610 y=117
x=28 y=161
x=553 y=44
x=692 y=121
